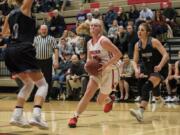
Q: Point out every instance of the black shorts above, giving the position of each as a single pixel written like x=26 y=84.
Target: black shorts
x=21 y=58
x=162 y=74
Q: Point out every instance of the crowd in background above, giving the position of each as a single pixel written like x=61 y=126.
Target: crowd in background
x=119 y=26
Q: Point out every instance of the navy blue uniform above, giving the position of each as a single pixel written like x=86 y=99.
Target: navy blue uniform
x=150 y=58
x=20 y=54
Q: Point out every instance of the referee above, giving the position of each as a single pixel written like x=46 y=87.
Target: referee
x=45 y=46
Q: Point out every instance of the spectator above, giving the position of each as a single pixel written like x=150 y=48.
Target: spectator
x=110 y=16
x=57 y=24
x=122 y=39
x=169 y=13
x=122 y=17
x=64 y=48
x=126 y=73
x=159 y=27
x=89 y=18
x=132 y=39
x=113 y=30
x=64 y=66
x=170 y=17
x=96 y=13
x=76 y=70
x=73 y=40
x=81 y=16
x=133 y=13
x=145 y=13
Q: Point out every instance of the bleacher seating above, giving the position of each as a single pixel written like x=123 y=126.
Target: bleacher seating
x=70 y=18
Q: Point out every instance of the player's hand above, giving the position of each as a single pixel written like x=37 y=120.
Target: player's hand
x=142 y=75
x=103 y=67
x=157 y=68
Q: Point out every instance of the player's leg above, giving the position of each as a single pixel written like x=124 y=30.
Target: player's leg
x=17 y=117
x=152 y=82
x=90 y=91
x=39 y=99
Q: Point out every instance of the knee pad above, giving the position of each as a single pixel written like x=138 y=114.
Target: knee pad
x=42 y=88
x=26 y=90
x=147 y=87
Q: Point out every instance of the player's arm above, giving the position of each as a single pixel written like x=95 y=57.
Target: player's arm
x=5 y=33
x=157 y=44
x=109 y=46
x=26 y=7
x=88 y=54
x=5 y=29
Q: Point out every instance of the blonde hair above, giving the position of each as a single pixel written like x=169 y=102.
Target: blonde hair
x=15 y=2
x=83 y=28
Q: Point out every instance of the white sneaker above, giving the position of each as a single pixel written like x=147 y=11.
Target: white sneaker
x=153 y=99
x=137 y=114
x=37 y=121
x=168 y=99
x=174 y=99
x=158 y=103
x=137 y=99
x=19 y=122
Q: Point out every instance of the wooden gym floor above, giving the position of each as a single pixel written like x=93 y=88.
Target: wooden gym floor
x=164 y=121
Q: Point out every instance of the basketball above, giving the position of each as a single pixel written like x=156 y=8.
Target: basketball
x=92 y=67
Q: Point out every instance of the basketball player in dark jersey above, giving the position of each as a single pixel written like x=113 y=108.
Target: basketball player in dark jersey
x=20 y=60
x=154 y=57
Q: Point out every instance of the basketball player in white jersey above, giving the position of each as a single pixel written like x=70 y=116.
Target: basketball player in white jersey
x=99 y=47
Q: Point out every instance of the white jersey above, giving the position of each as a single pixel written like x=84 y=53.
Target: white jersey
x=97 y=50
x=109 y=77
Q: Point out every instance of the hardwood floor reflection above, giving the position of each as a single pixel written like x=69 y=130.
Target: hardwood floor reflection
x=164 y=121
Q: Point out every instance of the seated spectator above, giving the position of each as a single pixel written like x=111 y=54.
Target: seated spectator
x=122 y=17
x=170 y=16
x=81 y=16
x=133 y=13
x=159 y=27
x=76 y=71
x=64 y=66
x=110 y=16
x=170 y=13
x=113 y=30
x=89 y=18
x=96 y=13
x=122 y=39
x=171 y=84
x=132 y=39
x=145 y=13
x=126 y=72
x=73 y=40
x=64 y=48
x=57 y=24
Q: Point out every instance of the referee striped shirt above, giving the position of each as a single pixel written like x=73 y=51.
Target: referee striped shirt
x=44 y=46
